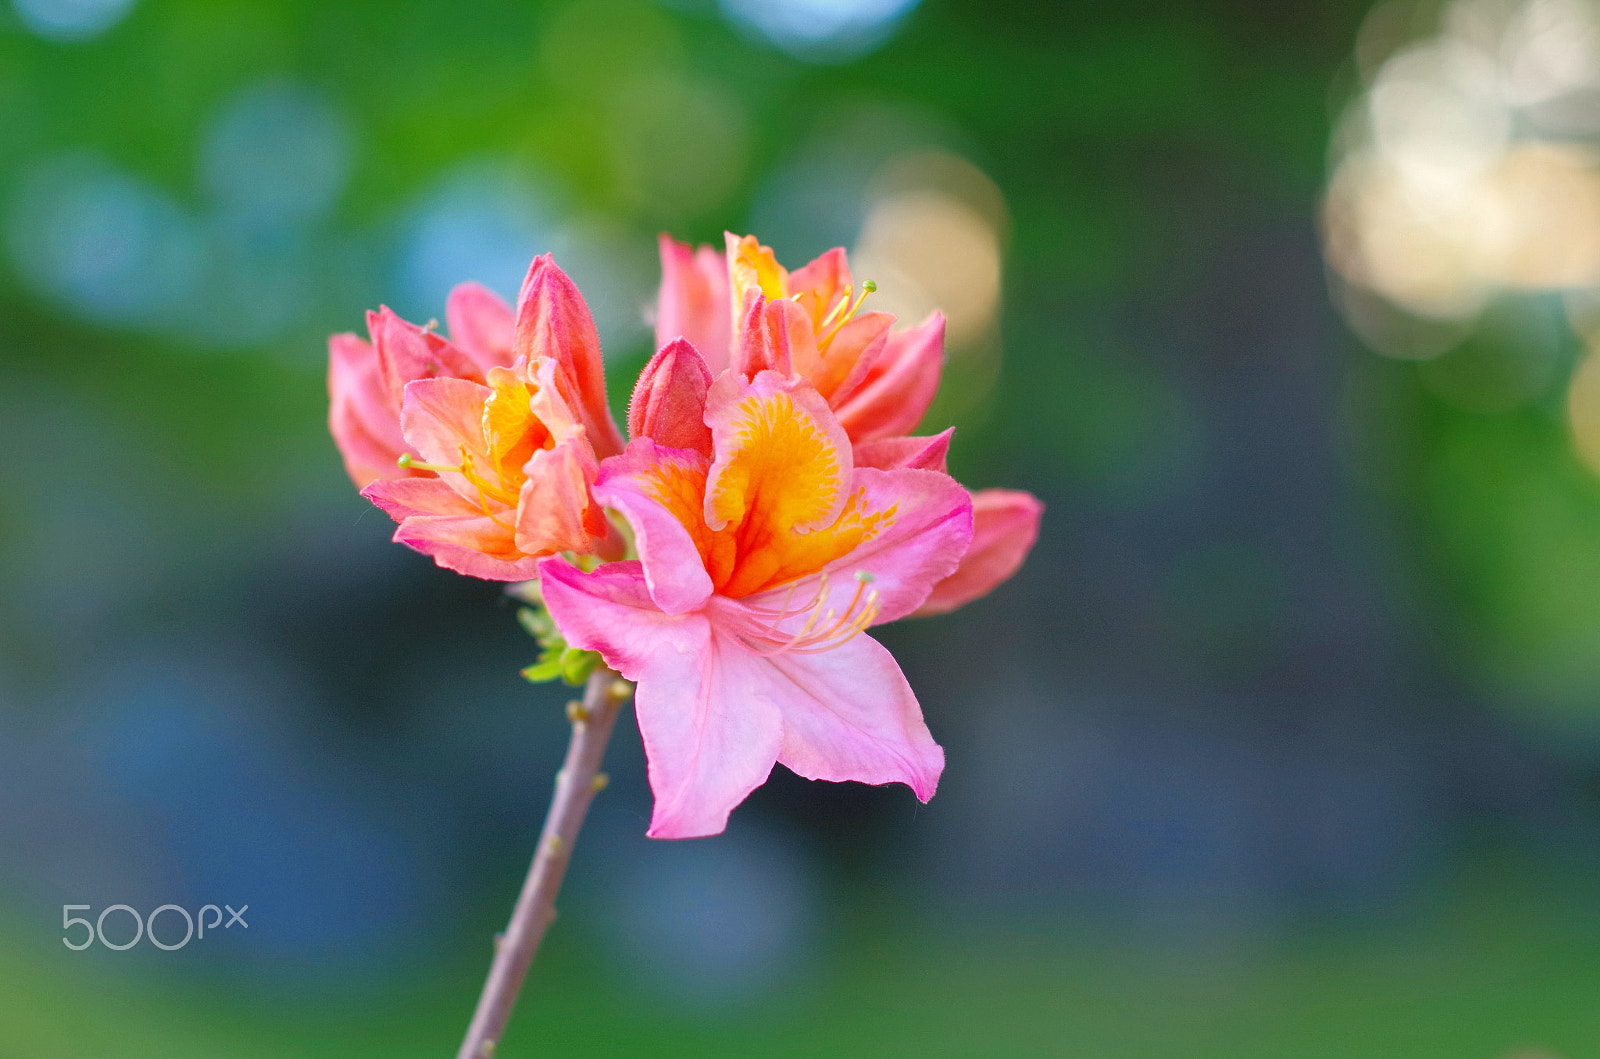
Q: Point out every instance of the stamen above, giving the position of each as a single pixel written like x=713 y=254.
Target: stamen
x=408 y=462
x=485 y=490
x=848 y=310
x=464 y=468
x=825 y=628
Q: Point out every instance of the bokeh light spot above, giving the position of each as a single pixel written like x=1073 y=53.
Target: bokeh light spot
x=108 y=245
x=1457 y=176
x=278 y=153
x=483 y=221
x=821 y=30
x=71 y=20
x=927 y=247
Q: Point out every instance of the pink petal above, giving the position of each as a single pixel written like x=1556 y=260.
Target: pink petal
x=931 y=530
x=851 y=357
x=474 y=545
x=481 y=324
x=1005 y=523
x=821 y=280
x=771 y=332
x=404 y=497
x=440 y=419
x=555 y=511
x=920 y=453
x=362 y=415
x=634 y=483
x=669 y=400
x=897 y=391
x=408 y=352
x=553 y=321
x=694 y=301
x=711 y=728
x=848 y=714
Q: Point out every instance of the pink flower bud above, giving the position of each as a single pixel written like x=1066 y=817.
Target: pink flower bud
x=669 y=401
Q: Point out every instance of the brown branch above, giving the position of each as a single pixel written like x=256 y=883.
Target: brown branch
x=579 y=780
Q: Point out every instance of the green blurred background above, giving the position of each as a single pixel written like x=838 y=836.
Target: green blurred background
x=1286 y=742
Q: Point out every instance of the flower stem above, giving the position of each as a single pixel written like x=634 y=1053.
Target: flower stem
x=579 y=780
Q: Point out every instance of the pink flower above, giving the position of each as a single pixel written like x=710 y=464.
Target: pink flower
x=878 y=382
x=366 y=381
x=513 y=448
x=761 y=564
x=740 y=307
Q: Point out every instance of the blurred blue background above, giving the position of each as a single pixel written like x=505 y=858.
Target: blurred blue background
x=1286 y=741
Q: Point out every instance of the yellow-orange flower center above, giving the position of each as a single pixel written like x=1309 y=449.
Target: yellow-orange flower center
x=512 y=433
x=769 y=518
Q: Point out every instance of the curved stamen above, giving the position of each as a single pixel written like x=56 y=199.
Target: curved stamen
x=465 y=469
x=844 y=311
x=825 y=628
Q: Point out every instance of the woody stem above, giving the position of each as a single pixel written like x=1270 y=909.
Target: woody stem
x=579 y=780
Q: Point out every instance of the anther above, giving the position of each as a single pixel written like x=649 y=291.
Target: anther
x=408 y=462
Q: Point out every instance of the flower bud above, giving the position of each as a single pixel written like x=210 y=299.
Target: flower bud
x=669 y=401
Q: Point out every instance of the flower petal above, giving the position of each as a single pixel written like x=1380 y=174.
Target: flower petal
x=553 y=321
x=922 y=544
x=896 y=392
x=694 y=301
x=848 y=714
x=850 y=357
x=481 y=324
x=921 y=453
x=659 y=492
x=555 y=510
x=441 y=419
x=363 y=417
x=474 y=545
x=669 y=401
x=404 y=497
x=705 y=703
x=780 y=455
x=753 y=273
x=818 y=283
x=770 y=333
x=407 y=352
x=1005 y=524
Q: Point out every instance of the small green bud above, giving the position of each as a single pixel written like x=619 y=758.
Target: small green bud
x=543 y=671
x=577 y=665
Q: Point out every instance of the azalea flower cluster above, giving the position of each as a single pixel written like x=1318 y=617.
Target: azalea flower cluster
x=769 y=506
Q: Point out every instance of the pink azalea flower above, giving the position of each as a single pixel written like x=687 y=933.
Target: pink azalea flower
x=511 y=449
x=879 y=382
x=762 y=561
x=366 y=380
x=739 y=307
